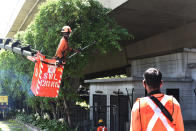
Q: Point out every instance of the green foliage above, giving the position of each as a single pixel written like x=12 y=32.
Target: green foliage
x=46 y=125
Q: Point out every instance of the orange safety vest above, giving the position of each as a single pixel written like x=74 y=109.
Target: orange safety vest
x=146 y=115
x=63 y=48
x=101 y=128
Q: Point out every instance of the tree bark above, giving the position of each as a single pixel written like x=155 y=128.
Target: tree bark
x=67 y=111
x=57 y=110
x=74 y=83
x=53 y=110
x=42 y=105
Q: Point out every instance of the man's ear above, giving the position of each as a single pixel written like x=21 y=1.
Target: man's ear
x=144 y=83
x=161 y=84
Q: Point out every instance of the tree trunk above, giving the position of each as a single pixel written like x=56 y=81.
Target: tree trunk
x=74 y=83
x=67 y=111
x=53 y=110
x=57 y=110
x=27 y=108
x=41 y=107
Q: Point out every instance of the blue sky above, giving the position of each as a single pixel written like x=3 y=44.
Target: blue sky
x=9 y=9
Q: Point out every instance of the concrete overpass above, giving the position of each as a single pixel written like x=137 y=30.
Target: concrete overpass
x=160 y=28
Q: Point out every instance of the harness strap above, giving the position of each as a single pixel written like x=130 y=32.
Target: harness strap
x=140 y=116
x=163 y=109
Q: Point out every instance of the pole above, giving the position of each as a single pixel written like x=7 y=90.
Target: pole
x=3 y=114
x=115 y=117
x=132 y=97
x=129 y=99
x=81 y=50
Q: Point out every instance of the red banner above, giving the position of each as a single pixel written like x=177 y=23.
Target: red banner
x=46 y=79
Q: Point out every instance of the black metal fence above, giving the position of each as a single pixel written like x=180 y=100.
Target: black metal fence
x=81 y=117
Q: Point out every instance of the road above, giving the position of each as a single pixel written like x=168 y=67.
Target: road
x=11 y=125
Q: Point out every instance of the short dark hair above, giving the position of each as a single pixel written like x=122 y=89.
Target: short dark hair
x=152 y=78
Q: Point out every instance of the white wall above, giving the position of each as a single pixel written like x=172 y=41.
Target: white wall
x=187 y=98
x=173 y=65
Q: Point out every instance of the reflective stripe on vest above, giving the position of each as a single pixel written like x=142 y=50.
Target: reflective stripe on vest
x=158 y=114
x=103 y=128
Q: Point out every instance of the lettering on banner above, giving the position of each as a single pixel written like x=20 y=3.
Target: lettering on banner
x=52 y=84
x=45 y=75
x=49 y=76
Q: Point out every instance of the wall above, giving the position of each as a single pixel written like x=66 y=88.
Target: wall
x=187 y=97
x=172 y=65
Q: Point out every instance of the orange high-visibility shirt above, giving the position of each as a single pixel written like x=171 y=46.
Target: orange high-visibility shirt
x=146 y=115
x=63 y=48
x=101 y=128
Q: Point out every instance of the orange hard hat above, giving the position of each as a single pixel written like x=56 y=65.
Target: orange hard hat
x=100 y=120
x=66 y=29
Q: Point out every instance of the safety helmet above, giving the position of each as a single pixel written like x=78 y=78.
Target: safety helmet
x=100 y=120
x=66 y=29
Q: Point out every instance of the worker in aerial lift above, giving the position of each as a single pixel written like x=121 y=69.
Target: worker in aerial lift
x=157 y=111
x=63 y=47
x=101 y=126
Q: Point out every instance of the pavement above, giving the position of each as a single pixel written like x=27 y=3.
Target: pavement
x=11 y=125
x=190 y=125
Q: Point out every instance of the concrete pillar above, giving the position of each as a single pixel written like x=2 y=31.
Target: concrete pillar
x=91 y=102
x=128 y=71
x=108 y=112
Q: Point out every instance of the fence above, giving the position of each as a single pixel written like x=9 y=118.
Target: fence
x=81 y=117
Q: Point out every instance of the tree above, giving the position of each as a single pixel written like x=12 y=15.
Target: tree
x=90 y=23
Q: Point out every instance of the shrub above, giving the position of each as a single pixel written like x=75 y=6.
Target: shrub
x=44 y=124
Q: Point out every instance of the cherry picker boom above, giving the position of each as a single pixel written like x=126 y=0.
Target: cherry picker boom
x=47 y=76
x=47 y=73
x=16 y=47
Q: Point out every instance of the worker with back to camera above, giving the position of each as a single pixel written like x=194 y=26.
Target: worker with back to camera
x=63 y=47
x=101 y=126
x=157 y=111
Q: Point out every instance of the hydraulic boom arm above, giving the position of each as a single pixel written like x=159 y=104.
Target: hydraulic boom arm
x=16 y=47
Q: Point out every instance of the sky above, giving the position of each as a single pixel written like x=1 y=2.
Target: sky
x=9 y=9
